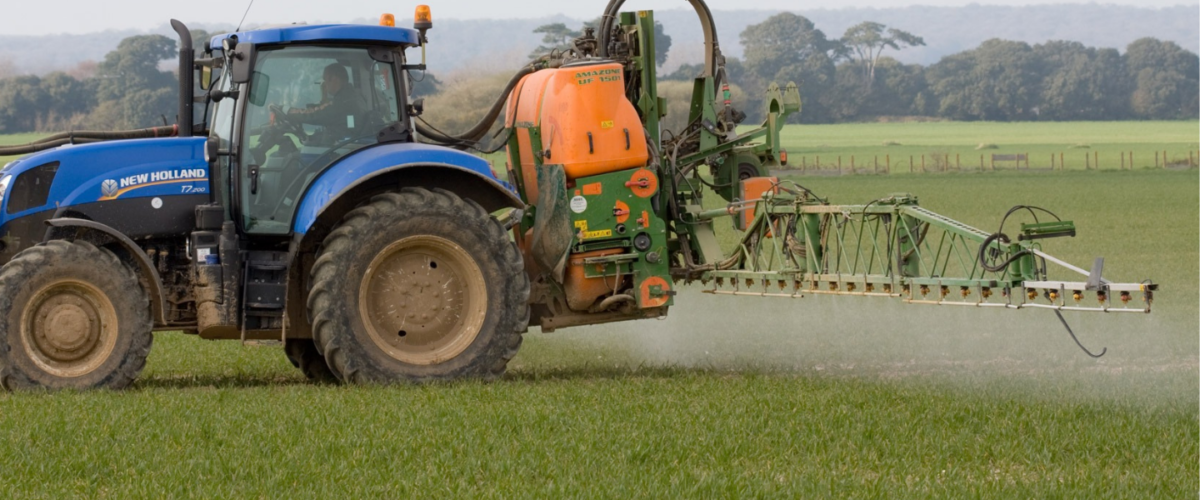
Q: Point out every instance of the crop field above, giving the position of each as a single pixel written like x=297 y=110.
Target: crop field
x=730 y=397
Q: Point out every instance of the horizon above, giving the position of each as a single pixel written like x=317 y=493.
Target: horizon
x=79 y=17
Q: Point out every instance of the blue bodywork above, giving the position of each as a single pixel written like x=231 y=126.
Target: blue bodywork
x=115 y=170
x=371 y=162
x=324 y=33
x=104 y=175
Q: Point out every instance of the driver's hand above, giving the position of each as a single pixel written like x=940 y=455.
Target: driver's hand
x=276 y=109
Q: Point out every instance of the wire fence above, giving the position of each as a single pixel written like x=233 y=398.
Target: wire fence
x=827 y=164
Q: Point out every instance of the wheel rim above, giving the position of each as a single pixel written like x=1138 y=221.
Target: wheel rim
x=69 y=328
x=423 y=300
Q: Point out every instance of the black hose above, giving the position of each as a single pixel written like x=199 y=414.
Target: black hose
x=476 y=133
x=1076 y=339
x=85 y=137
x=987 y=243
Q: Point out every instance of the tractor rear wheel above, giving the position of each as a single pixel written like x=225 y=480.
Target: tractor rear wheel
x=303 y=354
x=72 y=316
x=418 y=285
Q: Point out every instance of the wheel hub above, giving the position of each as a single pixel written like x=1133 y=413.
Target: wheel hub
x=69 y=328
x=423 y=300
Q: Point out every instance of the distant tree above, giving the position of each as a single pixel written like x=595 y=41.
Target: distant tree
x=787 y=47
x=734 y=69
x=662 y=44
x=22 y=100
x=898 y=90
x=1164 y=78
x=999 y=80
x=555 y=37
x=1081 y=83
x=866 y=41
x=70 y=99
x=132 y=91
x=426 y=85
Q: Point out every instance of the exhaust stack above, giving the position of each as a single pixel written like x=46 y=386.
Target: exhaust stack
x=186 y=85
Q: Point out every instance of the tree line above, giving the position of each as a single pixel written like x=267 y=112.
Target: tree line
x=844 y=79
x=850 y=79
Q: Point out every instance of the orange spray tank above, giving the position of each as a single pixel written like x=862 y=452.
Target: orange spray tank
x=584 y=121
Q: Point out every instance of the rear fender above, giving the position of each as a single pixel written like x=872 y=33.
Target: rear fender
x=394 y=166
x=354 y=180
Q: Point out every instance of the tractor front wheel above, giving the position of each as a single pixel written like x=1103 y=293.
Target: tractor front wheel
x=418 y=285
x=72 y=316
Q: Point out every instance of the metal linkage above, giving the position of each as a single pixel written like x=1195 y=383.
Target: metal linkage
x=893 y=248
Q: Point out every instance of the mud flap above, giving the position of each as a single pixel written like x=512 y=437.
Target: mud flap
x=552 y=231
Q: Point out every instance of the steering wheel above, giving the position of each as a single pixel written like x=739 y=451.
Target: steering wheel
x=318 y=161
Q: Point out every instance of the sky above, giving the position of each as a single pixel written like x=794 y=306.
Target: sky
x=86 y=16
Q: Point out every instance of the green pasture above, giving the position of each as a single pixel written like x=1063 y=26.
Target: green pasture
x=730 y=397
x=15 y=139
x=1078 y=144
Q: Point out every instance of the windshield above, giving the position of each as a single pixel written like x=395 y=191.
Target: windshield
x=307 y=108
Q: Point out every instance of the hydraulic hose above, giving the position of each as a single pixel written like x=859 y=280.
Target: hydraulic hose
x=476 y=133
x=85 y=137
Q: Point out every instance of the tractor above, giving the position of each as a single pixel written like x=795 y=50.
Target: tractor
x=301 y=198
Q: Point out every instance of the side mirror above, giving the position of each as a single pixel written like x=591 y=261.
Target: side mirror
x=417 y=107
x=258 y=88
x=206 y=77
x=241 y=59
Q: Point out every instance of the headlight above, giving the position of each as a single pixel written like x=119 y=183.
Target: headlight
x=4 y=188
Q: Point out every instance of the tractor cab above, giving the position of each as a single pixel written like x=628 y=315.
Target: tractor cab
x=294 y=101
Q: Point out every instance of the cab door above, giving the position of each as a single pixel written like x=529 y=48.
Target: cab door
x=307 y=108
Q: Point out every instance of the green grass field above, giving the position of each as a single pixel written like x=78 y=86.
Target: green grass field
x=958 y=141
x=730 y=397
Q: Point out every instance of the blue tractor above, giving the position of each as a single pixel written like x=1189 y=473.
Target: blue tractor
x=296 y=206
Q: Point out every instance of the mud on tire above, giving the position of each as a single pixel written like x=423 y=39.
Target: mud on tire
x=303 y=354
x=71 y=316
x=415 y=286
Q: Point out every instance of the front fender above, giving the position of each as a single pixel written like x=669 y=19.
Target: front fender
x=387 y=162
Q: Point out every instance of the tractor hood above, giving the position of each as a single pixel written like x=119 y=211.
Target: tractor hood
x=74 y=178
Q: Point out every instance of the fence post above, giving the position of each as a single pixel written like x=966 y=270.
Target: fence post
x=1062 y=160
x=1096 y=157
x=1087 y=162
x=1122 y=160
x=1156 y=159
x=993 y=163
x=922 y=164
x=839 y=164
x=958 y=161
x=818 y=165
x=910 y=164
x=981 y=163
x=889 y=161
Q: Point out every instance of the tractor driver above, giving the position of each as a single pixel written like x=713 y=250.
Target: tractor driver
x=340 y=112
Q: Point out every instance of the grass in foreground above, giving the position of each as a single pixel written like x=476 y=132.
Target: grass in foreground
x=742 y=397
